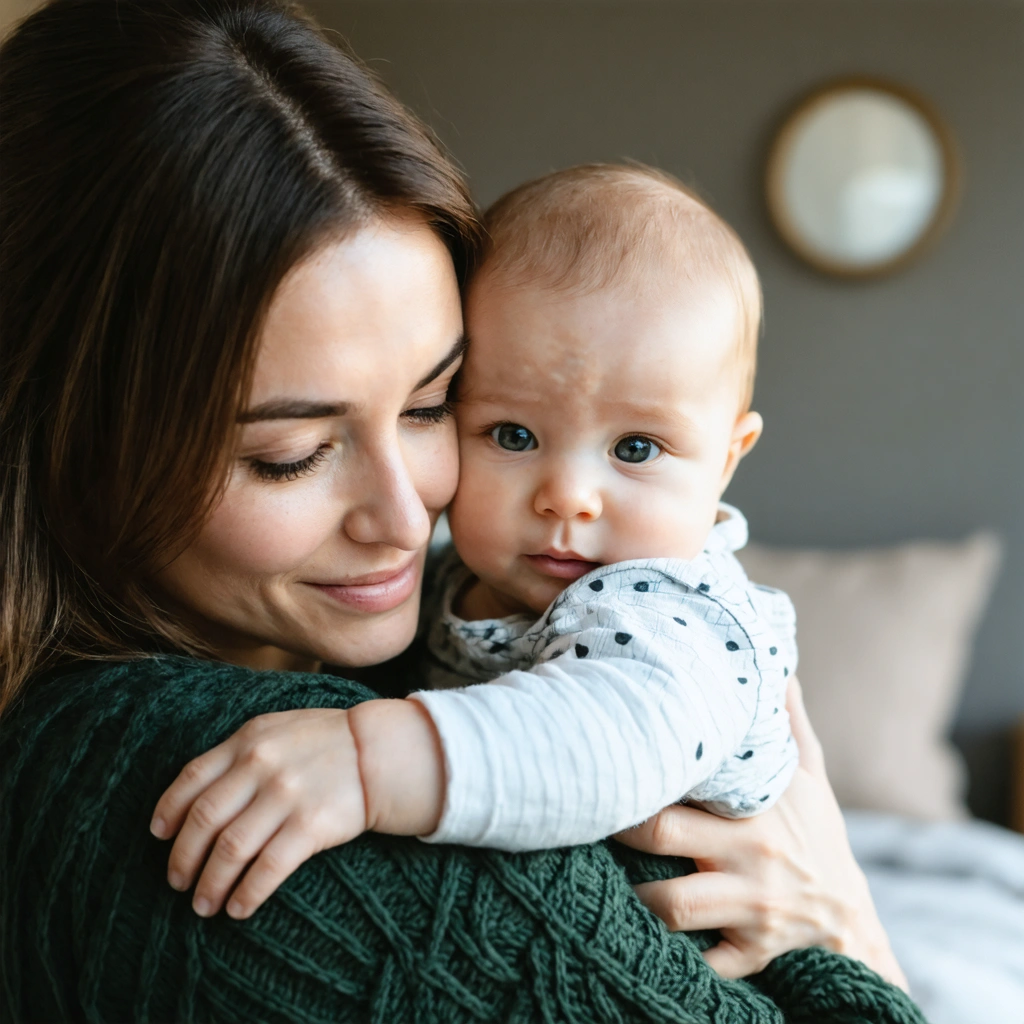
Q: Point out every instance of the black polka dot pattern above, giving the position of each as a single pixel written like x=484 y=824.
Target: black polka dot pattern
x=704 y=587
x=642 y=587
x=731 y=645
x=785 y=672
x=582 y=651
x=623 y=638
x=773 y=650
x=596 y=584
x=682 y=622
x=742 y=680
x=746 y=755
x=700 y=750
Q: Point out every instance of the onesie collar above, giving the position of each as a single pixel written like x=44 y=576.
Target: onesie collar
x=730 y=533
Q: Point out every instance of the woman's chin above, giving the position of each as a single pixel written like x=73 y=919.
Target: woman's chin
x=370 y=640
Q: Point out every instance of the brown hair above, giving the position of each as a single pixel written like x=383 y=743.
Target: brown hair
x=165 y=163
x=587 y=227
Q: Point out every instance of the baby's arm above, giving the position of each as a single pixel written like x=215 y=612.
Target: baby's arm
x=581 y=747
x=647 y=687
x=290 y=784
x=572 y=751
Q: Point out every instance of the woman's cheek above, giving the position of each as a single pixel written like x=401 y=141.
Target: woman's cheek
x=269 y=529
x=433 y=464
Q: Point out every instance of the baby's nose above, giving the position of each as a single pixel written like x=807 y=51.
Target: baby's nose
x=568 y=496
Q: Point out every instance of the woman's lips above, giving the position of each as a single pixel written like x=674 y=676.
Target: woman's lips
x=376 y=591
x=561 y=568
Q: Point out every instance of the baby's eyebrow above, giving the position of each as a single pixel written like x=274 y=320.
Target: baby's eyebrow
x=647 y=412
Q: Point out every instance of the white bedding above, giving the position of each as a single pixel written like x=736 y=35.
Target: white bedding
x=951 y=895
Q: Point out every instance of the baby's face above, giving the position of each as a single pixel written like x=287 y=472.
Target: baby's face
x=592 y=429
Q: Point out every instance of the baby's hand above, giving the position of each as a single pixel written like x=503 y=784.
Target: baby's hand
x=290 y=784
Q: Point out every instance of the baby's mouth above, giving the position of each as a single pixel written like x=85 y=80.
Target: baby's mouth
x=562 y=565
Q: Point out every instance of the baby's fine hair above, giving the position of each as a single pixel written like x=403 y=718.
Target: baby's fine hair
x=597 y=225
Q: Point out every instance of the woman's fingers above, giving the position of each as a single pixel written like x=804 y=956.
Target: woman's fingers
x=210 y=812
x=196 y=776
x=706 y=899
x=729 y=961
x=811 y=756
x=679 y=831
x=235 y=848
x=289 y=848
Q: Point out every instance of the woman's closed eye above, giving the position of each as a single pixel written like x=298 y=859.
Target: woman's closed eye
x=636 y=449
x=430 y=414
x=275 y=471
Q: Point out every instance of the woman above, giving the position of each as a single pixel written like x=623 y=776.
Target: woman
x=230 y=316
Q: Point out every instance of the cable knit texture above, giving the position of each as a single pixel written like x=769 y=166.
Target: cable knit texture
x=384 y=930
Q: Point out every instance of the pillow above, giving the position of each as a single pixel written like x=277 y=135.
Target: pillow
x=885 y=637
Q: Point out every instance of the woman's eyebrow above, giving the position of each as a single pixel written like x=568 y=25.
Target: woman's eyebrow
x=296 y=409
x=457 y=350
x=293 y=409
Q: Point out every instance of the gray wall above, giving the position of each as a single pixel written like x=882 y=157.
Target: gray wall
x=894 y=408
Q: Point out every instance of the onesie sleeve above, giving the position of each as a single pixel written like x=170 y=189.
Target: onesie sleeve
x=645 y=685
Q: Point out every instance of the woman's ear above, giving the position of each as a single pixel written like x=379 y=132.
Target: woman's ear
x=744 y=436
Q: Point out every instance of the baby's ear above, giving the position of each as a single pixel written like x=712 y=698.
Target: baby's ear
x=747 y=431
x=745 y=435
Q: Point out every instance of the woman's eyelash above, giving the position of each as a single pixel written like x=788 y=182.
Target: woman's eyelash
x=289 y=470
x=432 y=413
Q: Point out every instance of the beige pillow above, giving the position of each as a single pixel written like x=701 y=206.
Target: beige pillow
x=885 y=638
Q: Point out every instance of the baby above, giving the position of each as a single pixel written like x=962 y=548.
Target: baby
x=602 y=409
x=627 y=661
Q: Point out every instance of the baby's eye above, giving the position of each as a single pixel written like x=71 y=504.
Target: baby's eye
x=513 y=438
x=636 y=449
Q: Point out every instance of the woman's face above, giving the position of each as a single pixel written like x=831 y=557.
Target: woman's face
x=345 y=455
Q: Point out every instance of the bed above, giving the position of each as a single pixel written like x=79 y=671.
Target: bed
x=951 y=896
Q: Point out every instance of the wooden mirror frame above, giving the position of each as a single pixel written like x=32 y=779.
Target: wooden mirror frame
x=783 y=143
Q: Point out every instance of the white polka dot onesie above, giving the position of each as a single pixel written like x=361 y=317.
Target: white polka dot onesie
x=644 y=683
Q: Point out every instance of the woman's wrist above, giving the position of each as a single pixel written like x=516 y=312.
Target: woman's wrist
x=401 y=764
x=867 y=941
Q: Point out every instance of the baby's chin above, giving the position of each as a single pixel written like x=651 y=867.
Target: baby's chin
x=535 y=595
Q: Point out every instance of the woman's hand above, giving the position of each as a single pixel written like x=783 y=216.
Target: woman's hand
x=782 y=880
x=290 y=784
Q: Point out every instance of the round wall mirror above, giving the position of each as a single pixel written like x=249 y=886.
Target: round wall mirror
x=862 y=178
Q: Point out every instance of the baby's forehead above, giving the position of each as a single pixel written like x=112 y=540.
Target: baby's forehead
x=610 y=347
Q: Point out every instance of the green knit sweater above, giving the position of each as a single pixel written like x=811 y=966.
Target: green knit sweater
x=383 y=929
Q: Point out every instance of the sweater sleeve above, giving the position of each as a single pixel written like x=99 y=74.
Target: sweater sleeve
x=382 y=929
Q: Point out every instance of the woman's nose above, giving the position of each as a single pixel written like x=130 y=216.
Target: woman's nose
x=568 y=493
x=387 y=508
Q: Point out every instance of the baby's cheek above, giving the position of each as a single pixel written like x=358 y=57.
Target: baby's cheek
x=478 y=516
x=661 y=524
